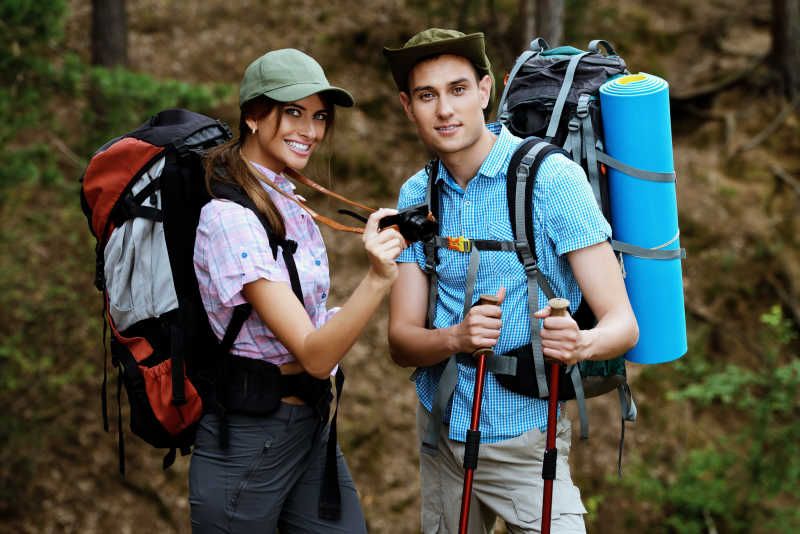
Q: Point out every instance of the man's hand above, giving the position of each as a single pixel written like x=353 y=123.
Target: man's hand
x=480 y=329
x=562 y=340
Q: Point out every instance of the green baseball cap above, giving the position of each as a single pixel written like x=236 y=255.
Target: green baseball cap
x=288 y=75
x=434 y=42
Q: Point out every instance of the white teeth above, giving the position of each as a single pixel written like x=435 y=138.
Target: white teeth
x=298 y=146
x=446 y=128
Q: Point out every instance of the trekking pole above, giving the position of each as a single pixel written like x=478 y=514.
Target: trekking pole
x=474 y=435
x=558 y=308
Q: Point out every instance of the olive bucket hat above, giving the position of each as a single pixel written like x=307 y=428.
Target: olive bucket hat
x=288 y=75
x=434 y=42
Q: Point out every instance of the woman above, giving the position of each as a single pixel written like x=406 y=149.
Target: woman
x=258 y=464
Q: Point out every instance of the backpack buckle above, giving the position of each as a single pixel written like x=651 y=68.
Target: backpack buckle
x=181 y=148
x=461 y=244
x=583 y=106
x=574 y=124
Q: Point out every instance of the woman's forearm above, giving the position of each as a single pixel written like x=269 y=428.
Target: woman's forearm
x=324 y=347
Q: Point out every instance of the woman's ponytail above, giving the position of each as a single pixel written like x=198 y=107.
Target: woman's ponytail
x=224 y=163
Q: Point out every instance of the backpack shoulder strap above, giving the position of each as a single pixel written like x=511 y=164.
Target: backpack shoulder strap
x=520 y=179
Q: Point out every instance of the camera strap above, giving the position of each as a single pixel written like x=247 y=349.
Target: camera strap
x=291 y=173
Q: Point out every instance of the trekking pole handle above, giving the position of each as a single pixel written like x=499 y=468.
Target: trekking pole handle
x=558 y=307
x=486 y=299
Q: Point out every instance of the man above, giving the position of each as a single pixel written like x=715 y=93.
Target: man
x=445 y=84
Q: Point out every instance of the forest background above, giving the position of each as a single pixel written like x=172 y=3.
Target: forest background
x=716 y=446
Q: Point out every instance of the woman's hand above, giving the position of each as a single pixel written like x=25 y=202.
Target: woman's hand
x=383 y=247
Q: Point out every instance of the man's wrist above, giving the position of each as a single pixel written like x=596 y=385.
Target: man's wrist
x=451 y=339
x=585 y=344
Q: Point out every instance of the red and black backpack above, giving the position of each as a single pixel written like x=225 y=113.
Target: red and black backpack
x=142 y=194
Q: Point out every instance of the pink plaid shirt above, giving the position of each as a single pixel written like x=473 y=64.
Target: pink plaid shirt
x=232 y=250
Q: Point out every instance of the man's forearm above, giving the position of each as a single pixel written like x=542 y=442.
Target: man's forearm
x=612 y=336
x=413 y=346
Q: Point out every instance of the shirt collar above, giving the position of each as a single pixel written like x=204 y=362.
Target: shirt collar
x=278 y=179
x=495 y=162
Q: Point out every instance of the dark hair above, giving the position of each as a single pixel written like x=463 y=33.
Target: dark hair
x=225 y=163
x=478 y=75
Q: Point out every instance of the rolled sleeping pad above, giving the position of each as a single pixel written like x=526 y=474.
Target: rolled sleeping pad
x=644 y=213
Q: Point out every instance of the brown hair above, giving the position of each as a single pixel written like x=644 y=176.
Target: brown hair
x=225 y=164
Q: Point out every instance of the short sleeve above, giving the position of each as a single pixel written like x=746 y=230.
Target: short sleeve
x=238 y=251
x=330 y=313
x=574 y=220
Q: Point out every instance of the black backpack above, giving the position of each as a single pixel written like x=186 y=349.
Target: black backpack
x=553 y=94
x=551 y=98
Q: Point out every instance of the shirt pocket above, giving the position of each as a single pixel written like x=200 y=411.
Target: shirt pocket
x=503 y=263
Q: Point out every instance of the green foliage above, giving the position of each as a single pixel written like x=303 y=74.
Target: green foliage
x=32 y=163
x=28 y=30
x=43 y=93
x=126 y=98
x=746 y=481
x=49 y=317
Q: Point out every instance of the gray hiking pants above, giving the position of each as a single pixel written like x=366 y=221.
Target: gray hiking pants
x=269 y=476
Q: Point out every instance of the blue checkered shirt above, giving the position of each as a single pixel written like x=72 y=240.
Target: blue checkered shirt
x=566 y=218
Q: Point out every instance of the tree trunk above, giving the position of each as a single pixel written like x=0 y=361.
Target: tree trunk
x=549 y=21
x=109 y=49
x=786 y=43
x=463 y=12
x=527 y=23
x=109 y=33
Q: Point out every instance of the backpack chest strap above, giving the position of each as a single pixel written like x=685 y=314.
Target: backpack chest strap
x=465 y=244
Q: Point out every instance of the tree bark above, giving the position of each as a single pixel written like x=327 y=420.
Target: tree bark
x=463 y=12
x=109 y=33
x=527 y=23
x=786 y=43
x=550 y=21
x=109 y=49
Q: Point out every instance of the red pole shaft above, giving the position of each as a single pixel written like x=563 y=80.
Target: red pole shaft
x=480 y=373
x=558 y=307
x=552 y=414
x=466 y=496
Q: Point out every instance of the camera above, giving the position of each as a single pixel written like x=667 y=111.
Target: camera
x=414 y=223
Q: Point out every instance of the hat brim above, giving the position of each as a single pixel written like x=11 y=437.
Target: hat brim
x=402 y=60
x=299 y=91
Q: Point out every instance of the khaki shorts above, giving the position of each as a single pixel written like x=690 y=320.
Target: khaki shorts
x=506 y=483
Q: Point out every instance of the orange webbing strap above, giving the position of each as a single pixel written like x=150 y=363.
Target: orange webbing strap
x=314 y=215
x=314 y=185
